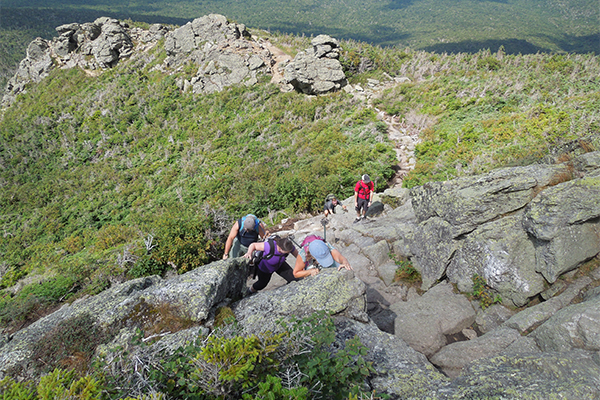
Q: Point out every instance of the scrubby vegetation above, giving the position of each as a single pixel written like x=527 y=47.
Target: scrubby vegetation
x=483 y=111
x=302 y=361
x=123 y=175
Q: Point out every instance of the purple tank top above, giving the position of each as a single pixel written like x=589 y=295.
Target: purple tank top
x=272 y=264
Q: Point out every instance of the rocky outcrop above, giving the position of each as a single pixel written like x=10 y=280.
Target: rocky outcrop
x=222 y=51
x=316 y=70
x=519 y=228
x=91 y=46
x=208 y=53
x=192 y=296
x=35 y=67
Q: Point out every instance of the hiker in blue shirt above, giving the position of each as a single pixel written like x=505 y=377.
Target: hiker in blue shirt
x=240 y=238
x=323 y=254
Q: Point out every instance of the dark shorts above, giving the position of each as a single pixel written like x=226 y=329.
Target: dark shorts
x=362 y=204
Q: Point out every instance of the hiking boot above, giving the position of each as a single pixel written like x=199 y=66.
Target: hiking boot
x=249 y=292
x=357 y=219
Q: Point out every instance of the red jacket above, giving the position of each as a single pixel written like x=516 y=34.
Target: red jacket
x=364 y=189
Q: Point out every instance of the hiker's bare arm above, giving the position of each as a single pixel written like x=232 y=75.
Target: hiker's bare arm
x=260 y=246
x=300 y=272
x=343 y=261
x=262 y=232
x=232 y=234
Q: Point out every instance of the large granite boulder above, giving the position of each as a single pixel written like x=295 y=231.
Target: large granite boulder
x=338 y=293
x=565 y=221
x=316 y=70
x=502 y=253
x=424 y=322
x=574 y=327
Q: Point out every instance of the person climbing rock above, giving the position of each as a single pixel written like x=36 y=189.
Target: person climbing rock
x=331 y=202
x=315 y=253
x=275 y=252
x=244 y=232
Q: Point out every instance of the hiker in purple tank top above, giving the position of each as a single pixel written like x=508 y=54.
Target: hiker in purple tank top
x=277 y=263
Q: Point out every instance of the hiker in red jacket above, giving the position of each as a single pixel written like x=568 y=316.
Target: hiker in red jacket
x=363 y=192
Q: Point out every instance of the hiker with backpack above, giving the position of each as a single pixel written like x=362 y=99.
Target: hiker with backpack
x=331 y=202
x=244 y=232
x=363 y=193
x=315 y=253
x=274 y=252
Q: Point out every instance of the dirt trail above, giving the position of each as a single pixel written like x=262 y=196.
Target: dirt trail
x=278 y=57
x=403 y=135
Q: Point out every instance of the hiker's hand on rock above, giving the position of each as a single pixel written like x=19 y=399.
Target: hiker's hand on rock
x=346 y=266
x=314 y=271
x=248 y=255
x=225 y=256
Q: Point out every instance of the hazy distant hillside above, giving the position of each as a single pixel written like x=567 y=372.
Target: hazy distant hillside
x=521 y=26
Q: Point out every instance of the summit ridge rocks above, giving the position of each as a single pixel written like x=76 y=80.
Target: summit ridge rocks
x=223 y=53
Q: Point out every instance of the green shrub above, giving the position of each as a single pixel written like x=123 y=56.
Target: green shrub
x=405 y=271
x=147 y=266
x=483 y=293
x=61 y=384
x=13 y=390
x=70 y=344
x=231 y=364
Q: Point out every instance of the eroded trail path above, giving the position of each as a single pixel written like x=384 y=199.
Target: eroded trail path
x=403 y=132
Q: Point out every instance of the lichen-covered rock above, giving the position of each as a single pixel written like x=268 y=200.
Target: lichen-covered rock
x=564 y=220
x=337 y=292
x=465 y=203
x=191 y=295
x=196 y=292
x=573 y=375
x=502 y=253
x=574 y=327
x=432 y=247
x=108 y=307
x=534 y=316
x=400 y=372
